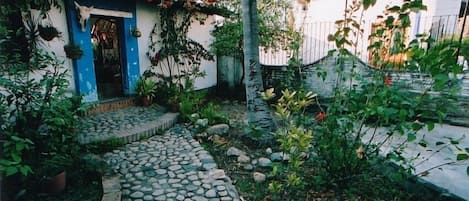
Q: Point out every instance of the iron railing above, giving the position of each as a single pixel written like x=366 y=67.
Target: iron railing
x=316 y=44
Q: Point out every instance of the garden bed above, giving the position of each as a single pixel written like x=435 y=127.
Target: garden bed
x=377 y=184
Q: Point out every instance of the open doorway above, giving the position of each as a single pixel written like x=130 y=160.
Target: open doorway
x=107 y=56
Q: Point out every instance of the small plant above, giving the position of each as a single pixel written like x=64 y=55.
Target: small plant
x=294 y=139
x=12 y=162
x=73 y=51
x=105 y=146
x=145 y=89
x=55 y=164
x=211 y=112
x=190 y=103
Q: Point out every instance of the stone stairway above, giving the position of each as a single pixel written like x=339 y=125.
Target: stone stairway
x=129 y=124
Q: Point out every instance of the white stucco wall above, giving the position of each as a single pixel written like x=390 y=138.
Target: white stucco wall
x=147 y=16
x=58 y=19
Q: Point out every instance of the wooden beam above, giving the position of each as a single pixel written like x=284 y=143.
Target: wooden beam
x=113 y=13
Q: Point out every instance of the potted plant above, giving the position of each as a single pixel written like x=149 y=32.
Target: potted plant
x=73 y=51
x=56 y=144
x=173 y=103
x=48 y=32
x=53 y=171
x=145 y=89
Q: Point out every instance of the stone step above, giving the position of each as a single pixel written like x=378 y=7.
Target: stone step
x=111 y=105
x=146 y=130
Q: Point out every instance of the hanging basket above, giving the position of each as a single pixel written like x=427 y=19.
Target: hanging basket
x=48 y=33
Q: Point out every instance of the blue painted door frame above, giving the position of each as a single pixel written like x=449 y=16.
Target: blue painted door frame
x=83 y=68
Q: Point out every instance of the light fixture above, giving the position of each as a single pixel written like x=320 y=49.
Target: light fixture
x=135 y=32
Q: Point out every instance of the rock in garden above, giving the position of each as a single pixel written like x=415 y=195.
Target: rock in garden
x=195 y=116
x=248 y=167
x=279 y=156
x=268 y=150
x=219 y=129
x=259 y=177
x=201 y=123
x=264 y=162
x=243 y=159
x=233 y=151
x=217 y=174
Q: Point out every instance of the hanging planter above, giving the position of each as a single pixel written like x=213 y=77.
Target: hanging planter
x=48 y=32
x=73 y=51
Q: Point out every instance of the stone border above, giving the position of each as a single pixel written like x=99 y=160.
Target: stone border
x=144 y=131
x=111 y=188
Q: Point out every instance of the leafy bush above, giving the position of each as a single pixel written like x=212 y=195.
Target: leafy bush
x=38 y=113
x=294 y=139
x=211 y=112
x=191 y=102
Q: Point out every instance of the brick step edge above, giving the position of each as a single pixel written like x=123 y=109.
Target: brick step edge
x=105 y=107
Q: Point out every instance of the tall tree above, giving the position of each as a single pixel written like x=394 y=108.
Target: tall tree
x=259 y=114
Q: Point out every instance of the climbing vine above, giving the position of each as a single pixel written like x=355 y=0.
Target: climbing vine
x=175 y=57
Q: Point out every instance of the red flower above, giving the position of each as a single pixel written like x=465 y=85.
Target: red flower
x=387 y=81
x=155 y=59
x=321 y=116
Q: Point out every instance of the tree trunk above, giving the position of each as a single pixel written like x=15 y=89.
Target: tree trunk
x=259 y=114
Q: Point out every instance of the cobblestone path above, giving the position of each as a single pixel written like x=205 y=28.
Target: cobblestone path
x=168 y=167
x=110 y=124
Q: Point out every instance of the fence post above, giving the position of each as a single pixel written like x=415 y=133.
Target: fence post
x=462 y=30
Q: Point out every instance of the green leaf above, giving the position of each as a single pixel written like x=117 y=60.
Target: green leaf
x=411 y=137
x=11 y=171
x=25 y=170
x=416 y=126
x=461 y=157
x=368 y=3
x=423 y=143
x=430 y=126
x=394 y=9
x=15 y=157
x=19 y=146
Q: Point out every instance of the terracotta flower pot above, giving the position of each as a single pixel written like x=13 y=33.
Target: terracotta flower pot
x=56 y=184
x=146 y=101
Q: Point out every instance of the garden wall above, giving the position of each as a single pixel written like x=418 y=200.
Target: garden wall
x=147 y=16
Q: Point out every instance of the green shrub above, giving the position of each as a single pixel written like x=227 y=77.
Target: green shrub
x=190 y=103
x=212 y=113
